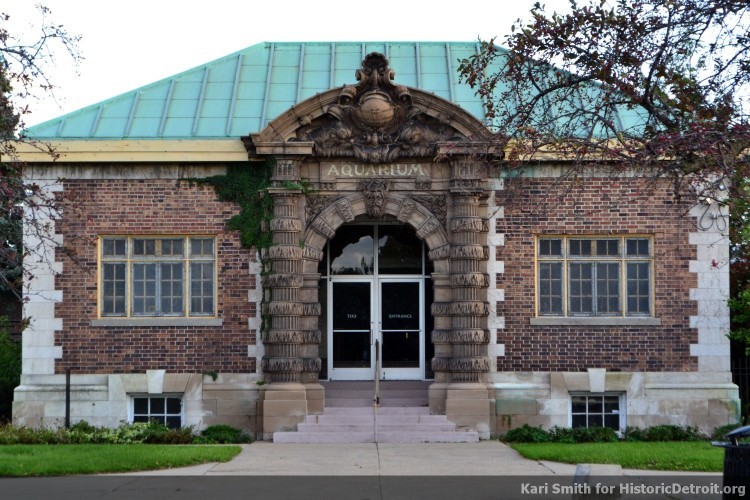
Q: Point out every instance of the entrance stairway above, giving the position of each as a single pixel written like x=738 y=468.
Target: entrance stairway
x=402 y=417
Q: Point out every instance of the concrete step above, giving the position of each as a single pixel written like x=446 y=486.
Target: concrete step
x=370 y=437
x=381 y=424
x=323 y=437
x=381 y=427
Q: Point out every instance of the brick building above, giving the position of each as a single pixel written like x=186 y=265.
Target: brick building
x=400 y=253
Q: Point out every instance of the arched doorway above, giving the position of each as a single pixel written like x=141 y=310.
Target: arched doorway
x=375 y=292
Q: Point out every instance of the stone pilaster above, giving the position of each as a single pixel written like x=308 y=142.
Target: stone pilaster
x=468 y=402
x=469 y=281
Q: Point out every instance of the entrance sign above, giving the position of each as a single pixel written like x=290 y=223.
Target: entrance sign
x=363 y=170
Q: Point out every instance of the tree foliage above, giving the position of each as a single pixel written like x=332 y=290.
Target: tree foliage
x=632 y=82
x=660 y=88
x=26 y=61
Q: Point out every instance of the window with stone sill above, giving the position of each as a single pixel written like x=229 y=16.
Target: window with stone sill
x=148 y=277
x=597 y=410
x=166 y=410
x=593 y=276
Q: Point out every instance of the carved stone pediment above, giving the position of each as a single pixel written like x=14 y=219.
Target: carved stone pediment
x=375 y=121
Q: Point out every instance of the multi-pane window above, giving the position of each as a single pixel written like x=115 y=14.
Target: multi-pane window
x=164 y=410
x=147 y=276
x=596 y=410
x=592 y=276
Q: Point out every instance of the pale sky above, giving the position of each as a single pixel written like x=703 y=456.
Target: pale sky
x=130 y=44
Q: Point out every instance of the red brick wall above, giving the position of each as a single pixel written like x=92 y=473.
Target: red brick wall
x=150 y=207
x=596 y=206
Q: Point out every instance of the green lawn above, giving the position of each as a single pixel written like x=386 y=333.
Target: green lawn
x=64 y=459
x=697 y=456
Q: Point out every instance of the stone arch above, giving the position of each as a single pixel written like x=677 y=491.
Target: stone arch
x=402 y=207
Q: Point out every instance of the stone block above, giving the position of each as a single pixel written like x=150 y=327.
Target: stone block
x=135 y=382
x=576 y=381
x=235 y=407
x=467 y=407
x=277 y=408
x=155 y=381
x=516 y=406
x=709 y=349
x=176 y=382
x=41 y=366
x=714 y=364
x=597 y=379
x=223 y=394
x=274 y=394
x=200 y=408
x=273 y=424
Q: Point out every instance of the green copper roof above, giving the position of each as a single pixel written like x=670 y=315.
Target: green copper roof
x=242 y=92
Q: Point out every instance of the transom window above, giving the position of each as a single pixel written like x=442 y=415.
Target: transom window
x=147 y=276
x=165 y=410
x=592 y=276
x=596 y=410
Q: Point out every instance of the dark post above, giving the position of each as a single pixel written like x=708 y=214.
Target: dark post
x=67 y=398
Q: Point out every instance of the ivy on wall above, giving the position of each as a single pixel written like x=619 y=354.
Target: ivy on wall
x=247 y=185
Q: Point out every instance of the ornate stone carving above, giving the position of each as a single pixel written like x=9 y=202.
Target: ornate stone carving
x=312 y=253
x=319 y=225
x=479 y=364
x=469 y=252
x=316 y=204
x=293 y=336
x=375 y=121
x=286 y=225
x=279 y=366
x=282 y=281
x=429 y=227
x=376 y=196
x=469 y=225
x=472 y=280
x=407 y=208
x=282 y=309
x=435 y=204
x=441 y=253
x=311 y=309
x=344 y=208
x=469 y=336
x=284 y=252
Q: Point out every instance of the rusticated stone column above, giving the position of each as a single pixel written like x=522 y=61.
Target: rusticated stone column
x=285 y=397
x=468 y=403
x=468 y=309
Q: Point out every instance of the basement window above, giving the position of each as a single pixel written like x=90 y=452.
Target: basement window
x=166 y=410
x=597 y=410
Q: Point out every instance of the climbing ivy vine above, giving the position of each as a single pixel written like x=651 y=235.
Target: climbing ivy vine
x=247 y=185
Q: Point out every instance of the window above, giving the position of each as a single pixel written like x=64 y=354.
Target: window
x=608 y=276
x=164 y=410
x=597 y=410
x=151 y=277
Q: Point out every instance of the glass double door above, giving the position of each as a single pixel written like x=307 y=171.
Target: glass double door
x=376 y=326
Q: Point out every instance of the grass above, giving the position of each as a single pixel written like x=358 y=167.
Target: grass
x=697 y=456
x=59 y=460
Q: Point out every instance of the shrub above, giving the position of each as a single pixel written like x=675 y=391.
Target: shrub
x=594 y=435
x=720 y=432
x=526 y=434
x=225 y=434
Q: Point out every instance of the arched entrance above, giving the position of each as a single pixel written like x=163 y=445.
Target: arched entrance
x=375 y=292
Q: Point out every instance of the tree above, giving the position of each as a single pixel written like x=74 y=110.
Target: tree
x=656 y=87
x=25 y=65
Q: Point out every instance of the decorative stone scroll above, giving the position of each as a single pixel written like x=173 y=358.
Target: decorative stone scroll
x=408 y=206
x=469 y=336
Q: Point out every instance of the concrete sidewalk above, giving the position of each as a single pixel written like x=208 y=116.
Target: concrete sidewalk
x=485 y=458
